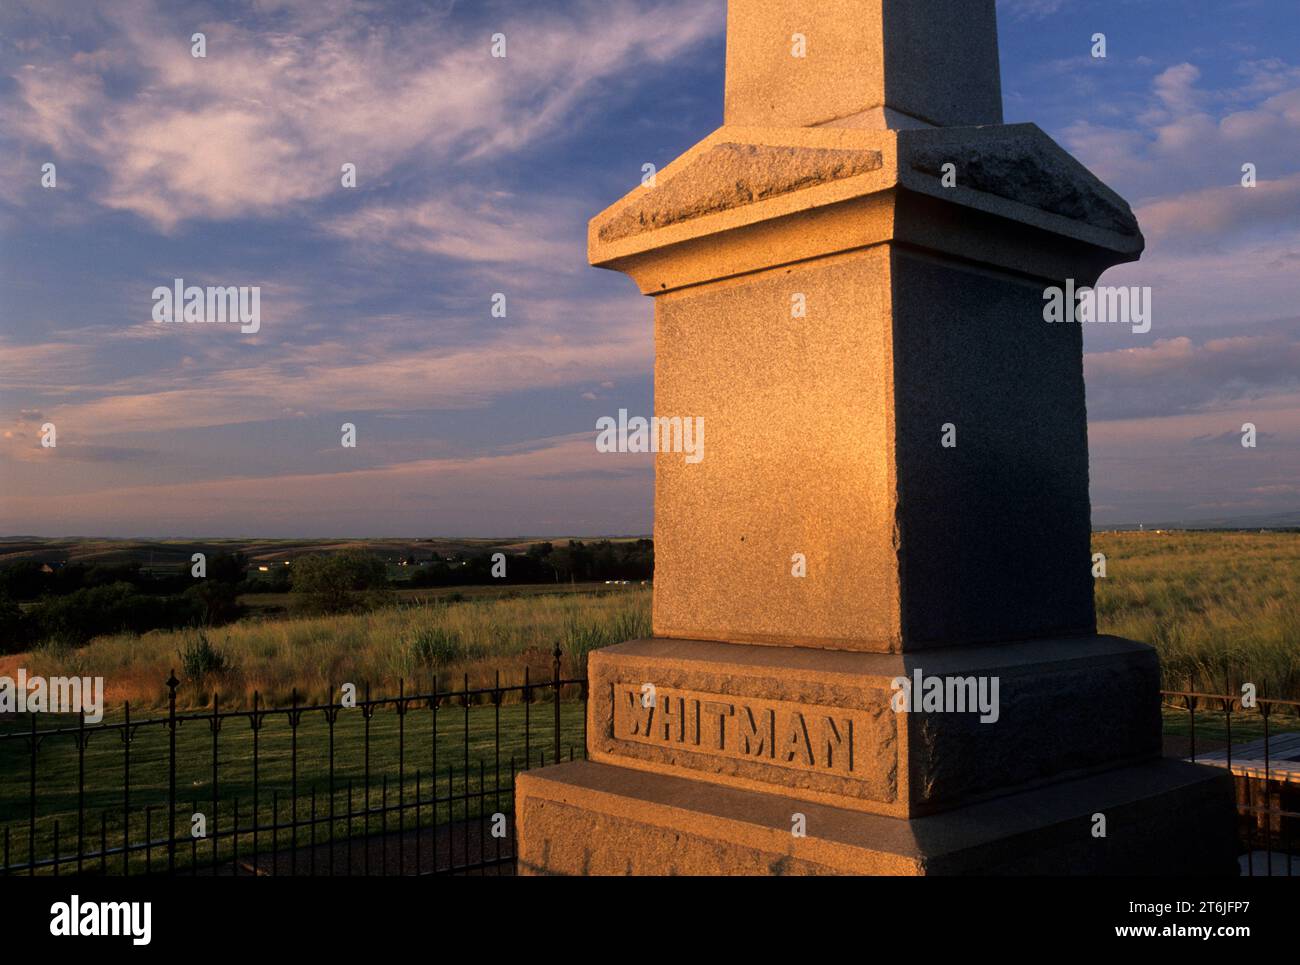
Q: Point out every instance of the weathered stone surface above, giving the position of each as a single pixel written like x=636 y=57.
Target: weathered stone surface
x=698 y=226
x=865 y=61
x=823 y=440
x=1072 y=706
x=798 y=460
x=596 y=819
x=994 y=534
x=1016 y=165
x=1024 y=180
x=730 y=175
x=825 y=736
x=832 y=735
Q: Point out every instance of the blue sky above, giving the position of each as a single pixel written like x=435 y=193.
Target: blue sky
x=476 y=176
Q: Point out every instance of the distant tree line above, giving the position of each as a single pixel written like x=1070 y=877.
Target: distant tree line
x=577 y=562
x=72 y=603
x=354 y=580
x=77 y=601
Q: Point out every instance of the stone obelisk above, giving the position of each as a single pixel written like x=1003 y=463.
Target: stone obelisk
x=875 y=648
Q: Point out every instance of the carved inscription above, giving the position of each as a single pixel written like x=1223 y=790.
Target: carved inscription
x=800 y=736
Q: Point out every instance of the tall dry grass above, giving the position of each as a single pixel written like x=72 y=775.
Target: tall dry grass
x=1220 y=608
x=314 y=655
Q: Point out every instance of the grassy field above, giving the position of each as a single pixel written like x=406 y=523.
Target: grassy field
x=274 y=606
x=1221 y=608
x=476 y=636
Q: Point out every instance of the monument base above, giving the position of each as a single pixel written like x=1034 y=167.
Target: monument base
x=1161 y=817
x=821 y=725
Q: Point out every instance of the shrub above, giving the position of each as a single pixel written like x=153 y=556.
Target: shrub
x=214 y=603
x=115 y=608
x=13 y=627
x=199 y=658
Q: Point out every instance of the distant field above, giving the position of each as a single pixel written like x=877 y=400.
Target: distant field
x=172 y=553
x=264 y=605
x=1220 y=608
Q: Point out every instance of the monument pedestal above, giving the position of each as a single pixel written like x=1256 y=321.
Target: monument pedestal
x=586 y=818
x=715 y=758
x=897 y=734
x=875 y=644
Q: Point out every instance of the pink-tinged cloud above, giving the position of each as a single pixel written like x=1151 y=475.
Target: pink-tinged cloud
x=1178 y=375
x=1191 y=137
x=1169 y=470
x=327 y=378
x=546 y=487
x=493 y=228
x=1214 y=212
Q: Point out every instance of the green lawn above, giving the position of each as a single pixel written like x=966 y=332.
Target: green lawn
x=1213 y=727
x=401 y=754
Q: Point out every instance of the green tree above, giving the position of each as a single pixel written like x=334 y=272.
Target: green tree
x=227 y=567
x=24 y=580
x=214 y=603
x=13 y=628
x=336 y=582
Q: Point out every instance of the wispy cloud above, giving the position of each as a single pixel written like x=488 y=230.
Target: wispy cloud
x=1177 y=375
x=479 y=227
x=1211 y=214
x=1187 y=136
x=323 y=378
x=268 y=117
x=1031 y=8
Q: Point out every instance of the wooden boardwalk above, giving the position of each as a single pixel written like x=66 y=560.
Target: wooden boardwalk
x=1248 y=759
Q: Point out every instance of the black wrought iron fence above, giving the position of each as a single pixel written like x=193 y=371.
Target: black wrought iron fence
x=411 y=783
x=423 y=782
x=1257 y=740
